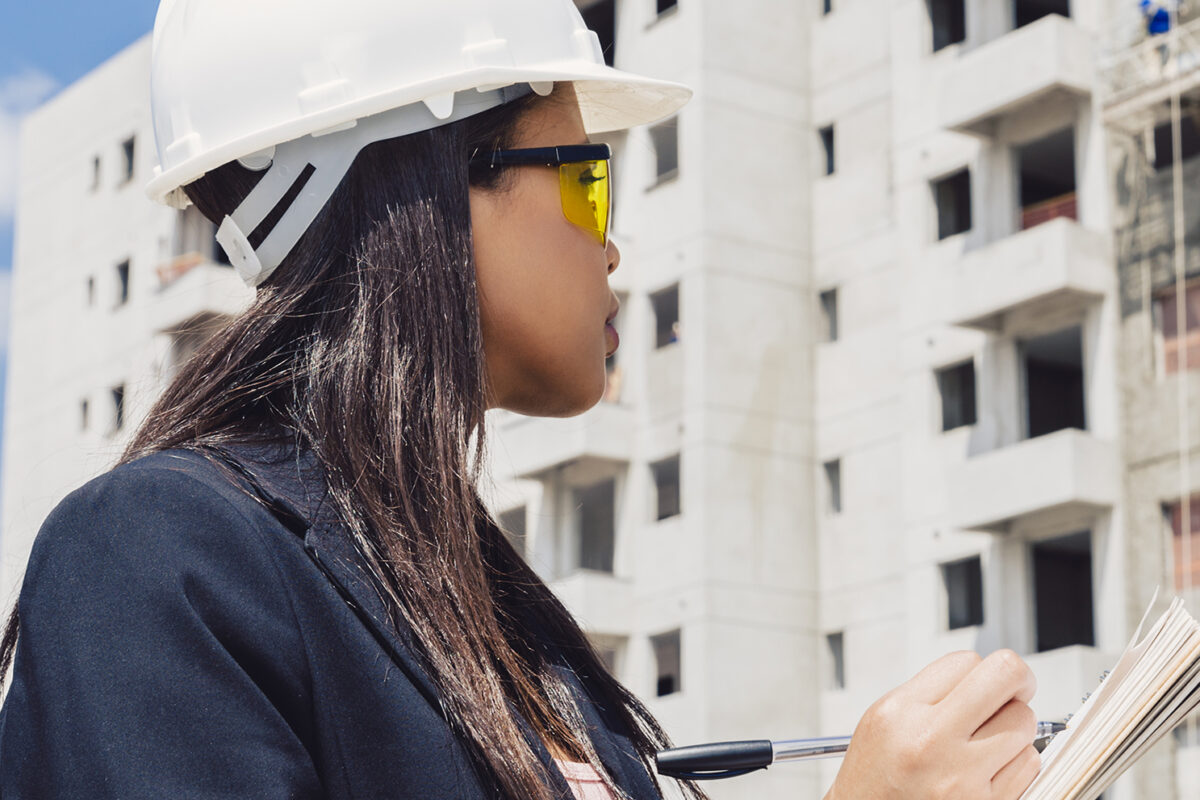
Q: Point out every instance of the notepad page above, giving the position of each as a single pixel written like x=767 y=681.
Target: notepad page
x=1154 y=685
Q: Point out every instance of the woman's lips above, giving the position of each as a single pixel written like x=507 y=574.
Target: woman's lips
x=611 y=338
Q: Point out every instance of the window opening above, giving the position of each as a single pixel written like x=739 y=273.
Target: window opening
x=1164 y=142
x=952 y=195
x=667 y=663
x=826 y=134
x=949 y=21
x=666 y=485
x=512 y=525
x=833 y=486
x=91 y=291
x=826 y=6
x=829 y=316
x=601 y=17
x=95 y=173
x=83 y=414
x=118 y=400
x=836 y=676
x=1054 y=388
x=1046 y=175
x=964 y=592
x=128 y=150
x=595 y=508
x=1027 y=11
x=957 y=388
x=122 y=283
x=666 y=316
x=665 y=138
x=1187 y=572
x=666 y=5
x=1179 y=349
x=1062 y=591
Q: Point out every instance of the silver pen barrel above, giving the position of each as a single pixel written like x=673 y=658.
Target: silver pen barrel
x=809 y=749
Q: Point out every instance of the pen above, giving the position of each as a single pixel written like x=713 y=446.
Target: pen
x=730 y=759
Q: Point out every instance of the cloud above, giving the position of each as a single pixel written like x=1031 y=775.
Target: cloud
x=19 y=94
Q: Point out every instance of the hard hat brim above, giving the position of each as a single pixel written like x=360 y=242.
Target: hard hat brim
x=609 y=100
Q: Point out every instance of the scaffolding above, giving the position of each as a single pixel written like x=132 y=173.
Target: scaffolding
x=1148 y=80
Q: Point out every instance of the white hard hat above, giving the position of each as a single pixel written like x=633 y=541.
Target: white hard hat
x=301 y=86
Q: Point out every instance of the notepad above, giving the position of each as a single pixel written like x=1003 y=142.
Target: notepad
x=1152 y=688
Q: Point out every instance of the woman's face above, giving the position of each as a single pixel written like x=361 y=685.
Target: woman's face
x=543 y=281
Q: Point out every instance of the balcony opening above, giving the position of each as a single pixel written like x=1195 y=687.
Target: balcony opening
x=667 y=663
x=833 y=487
x=122 y=283
x=187 y=339
x=609 y=649
x=601 y=17
x=1185 y=544
x=665 y=138
x=595 y=518
x=1164 y=147
x=1062 y=591
x=836 y=653
x=666 y=487
x=826 y=135
x=128 y=152
x=666 y=316
x=956 y=385
x=964 y=592
x=1180 y=351
x=1027 y=11
x=512 y=525
x=118 y=401
x=949 y=21
x=1046 y=175
x=952 y=196
x=1054 y=394
x=829 y=316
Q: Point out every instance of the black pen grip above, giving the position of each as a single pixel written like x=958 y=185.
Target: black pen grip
x=716 y=756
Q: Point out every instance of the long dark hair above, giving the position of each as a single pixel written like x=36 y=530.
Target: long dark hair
x=365 y=346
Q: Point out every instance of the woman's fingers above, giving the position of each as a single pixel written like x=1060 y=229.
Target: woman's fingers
x=1007 y=733
x=960 y=728
x=1014 y=777
x=935 y=681
x=1000 y=677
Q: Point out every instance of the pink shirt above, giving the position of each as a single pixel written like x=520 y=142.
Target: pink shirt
x=584 y=781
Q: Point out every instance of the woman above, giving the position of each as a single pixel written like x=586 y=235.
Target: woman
x=289 y=586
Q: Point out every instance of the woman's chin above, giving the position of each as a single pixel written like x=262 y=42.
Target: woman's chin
x=558 y=403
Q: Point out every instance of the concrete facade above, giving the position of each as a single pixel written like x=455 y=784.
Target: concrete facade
x=768 y=523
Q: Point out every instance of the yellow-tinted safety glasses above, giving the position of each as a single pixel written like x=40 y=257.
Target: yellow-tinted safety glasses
x=583 y=180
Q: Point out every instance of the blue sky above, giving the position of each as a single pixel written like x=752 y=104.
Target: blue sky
x=46 y=45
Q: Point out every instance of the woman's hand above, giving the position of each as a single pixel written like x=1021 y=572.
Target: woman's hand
x=961 y=728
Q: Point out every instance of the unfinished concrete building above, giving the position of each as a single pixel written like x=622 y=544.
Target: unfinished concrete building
x=902 y=368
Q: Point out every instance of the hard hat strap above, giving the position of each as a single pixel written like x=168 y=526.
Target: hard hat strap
x=328 y=158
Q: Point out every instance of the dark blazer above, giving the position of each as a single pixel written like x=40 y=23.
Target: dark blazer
x=182 y=639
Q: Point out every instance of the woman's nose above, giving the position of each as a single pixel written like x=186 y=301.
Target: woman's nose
x=613 y=254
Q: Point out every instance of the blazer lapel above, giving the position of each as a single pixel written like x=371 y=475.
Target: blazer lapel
x=292 y=484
